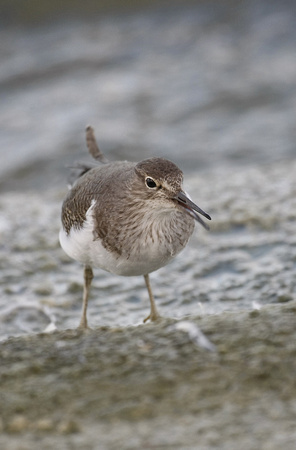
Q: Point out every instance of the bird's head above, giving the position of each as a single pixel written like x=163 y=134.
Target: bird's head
x=161 y=181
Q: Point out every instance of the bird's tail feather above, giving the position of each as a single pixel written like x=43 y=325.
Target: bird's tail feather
x=78 y=169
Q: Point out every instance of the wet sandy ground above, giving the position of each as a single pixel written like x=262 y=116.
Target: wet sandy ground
x=153 y=387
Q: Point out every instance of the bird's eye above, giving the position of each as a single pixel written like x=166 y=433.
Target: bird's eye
x=150 y=183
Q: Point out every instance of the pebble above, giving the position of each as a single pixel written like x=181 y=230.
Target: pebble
x=18 y=424
x=68 y=427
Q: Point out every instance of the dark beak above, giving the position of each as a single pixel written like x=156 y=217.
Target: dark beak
x=192 y=209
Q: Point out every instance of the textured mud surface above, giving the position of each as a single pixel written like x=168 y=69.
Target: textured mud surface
x=152 y=387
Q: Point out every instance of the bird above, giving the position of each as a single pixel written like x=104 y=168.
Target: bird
x=127 y=218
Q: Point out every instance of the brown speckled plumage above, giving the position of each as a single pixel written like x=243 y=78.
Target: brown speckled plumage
x=97 y=183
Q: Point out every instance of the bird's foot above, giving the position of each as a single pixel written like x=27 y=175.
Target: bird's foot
x=153 y=317
x=84 y=327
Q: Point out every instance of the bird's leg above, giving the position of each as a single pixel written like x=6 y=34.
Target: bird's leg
x=88 y=276
x=153 y=316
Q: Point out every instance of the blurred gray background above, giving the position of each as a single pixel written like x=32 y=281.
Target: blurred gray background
x=205 y=83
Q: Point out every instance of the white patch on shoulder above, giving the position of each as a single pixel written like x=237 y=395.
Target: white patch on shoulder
x=80 y=245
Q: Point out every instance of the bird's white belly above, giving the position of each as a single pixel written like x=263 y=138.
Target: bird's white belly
x=81 y=246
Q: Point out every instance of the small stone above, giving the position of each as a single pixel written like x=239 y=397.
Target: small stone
x=68 y=427
x=51 y=327
x=43 y=289
x=74 y=287
x=44 y=425
x=18 y=424
x=284 y=298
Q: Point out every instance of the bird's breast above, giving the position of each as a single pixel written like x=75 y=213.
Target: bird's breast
x=135 y=246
